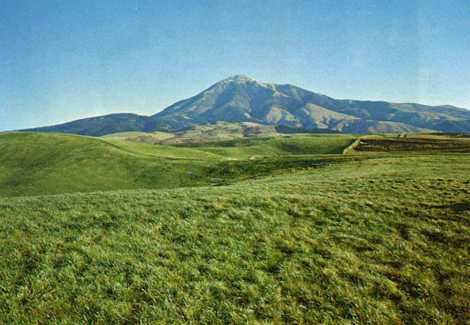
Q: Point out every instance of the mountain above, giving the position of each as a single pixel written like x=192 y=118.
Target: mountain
x=243 y=99
x=101 y=125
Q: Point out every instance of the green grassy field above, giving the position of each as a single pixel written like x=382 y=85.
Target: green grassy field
x=302 y=234
x=39 y=164
x=311 y=144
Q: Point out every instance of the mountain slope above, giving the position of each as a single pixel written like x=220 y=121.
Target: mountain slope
x=100 y=125
x=220 y=131
x=243 y=99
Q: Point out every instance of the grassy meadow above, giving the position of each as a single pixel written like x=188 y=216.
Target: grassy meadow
x=267 y=230
x=40 y=164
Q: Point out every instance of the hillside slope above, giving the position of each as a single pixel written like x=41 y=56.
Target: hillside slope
x=100 y=125
x=243 y=99
x=50 y=163
x=36 y=163
x=379 y=241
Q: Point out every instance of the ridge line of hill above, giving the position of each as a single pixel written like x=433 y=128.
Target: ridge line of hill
x=242 y=99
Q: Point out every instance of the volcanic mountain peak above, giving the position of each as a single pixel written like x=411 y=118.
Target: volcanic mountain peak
x=241 y=98
x=238 y=78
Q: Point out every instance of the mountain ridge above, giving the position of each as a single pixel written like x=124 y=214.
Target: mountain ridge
x=241 y=98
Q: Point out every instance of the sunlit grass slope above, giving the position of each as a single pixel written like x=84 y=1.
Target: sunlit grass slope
x=36 y=164
x=380 y=241
x=299 y=144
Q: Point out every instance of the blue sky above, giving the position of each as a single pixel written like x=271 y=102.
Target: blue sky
x=62 y=60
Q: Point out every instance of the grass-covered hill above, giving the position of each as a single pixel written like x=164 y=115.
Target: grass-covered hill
x=363 y=240
x=35 y=164
x=303 y=229
x=48 y=163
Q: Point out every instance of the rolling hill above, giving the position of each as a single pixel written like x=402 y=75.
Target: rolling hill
x=53 y=163
x=284 y=229
x=243 y=99
x=371 y=240
x=37 y=163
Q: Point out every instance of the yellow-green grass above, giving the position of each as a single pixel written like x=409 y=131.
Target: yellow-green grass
x=384 y=240
x=37 y=164
x=300 y=144
x=145 y=137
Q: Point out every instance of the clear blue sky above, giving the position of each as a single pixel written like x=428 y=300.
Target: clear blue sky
x=62 y=60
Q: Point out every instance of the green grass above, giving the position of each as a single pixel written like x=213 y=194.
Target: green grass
x=301 y=235
x=38 y=164
x=371 y=241
x=300 y=144
x=35 y=164
x=142 y=136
